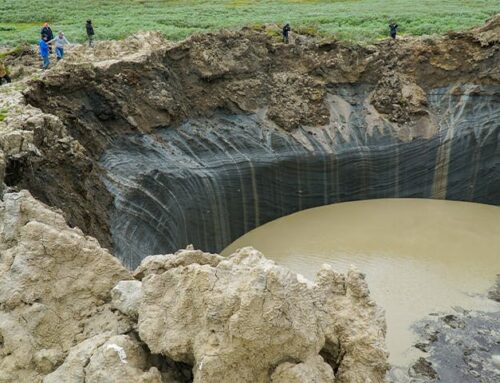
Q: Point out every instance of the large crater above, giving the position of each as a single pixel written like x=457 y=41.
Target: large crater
x=209 y=181
x=200 y=142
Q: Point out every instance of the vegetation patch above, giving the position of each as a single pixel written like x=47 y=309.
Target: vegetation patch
x=356 y=20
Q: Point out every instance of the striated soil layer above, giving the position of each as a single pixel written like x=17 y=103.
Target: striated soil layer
x=150 y=146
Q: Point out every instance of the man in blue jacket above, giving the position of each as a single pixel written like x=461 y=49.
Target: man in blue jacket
x=44 y=51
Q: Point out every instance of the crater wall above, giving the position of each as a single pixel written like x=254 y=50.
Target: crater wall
x=149 y=145
x=211 y=180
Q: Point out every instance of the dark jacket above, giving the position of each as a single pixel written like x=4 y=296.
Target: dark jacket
x=46 y=31
x=286 y=29
x=90 y=29
x=394 y=27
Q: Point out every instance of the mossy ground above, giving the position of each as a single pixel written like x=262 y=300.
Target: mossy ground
x=361 y=20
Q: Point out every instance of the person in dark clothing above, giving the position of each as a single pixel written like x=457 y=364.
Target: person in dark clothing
x=286 y=30
x=47 y=31
x=394 y=29
x=90 y=32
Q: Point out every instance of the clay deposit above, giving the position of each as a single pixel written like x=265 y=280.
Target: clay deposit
x=70 y=312
x=149 y=146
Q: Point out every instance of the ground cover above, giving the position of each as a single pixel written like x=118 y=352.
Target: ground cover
x=361 y=20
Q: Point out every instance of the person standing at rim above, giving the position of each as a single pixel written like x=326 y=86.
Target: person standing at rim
x=394 y=29
x=90 y=32
x=286 y=30
x=47 y=31
x=60 y=41
x=44 y=51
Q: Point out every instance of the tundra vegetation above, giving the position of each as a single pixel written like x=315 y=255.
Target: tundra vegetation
x=355 y=20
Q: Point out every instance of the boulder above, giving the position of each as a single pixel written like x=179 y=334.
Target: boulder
x=313 y=370
x=241 y=318
x=54 y=287
x=127 y=296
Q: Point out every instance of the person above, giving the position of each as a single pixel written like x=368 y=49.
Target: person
x=394 y=29
x=47 y=31
x=4 y=73
x=44 y=51
x=90 y=32
x=60 y=41
x=286 y=30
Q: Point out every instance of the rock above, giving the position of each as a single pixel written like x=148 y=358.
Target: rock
x=351 y=117
x=461 y=347
x=399 y=97
x=46 y=360
x=313 y=370
x=423 y=368
x=494 y=292
x=68 y=311
x=453 y=321
x=354 y=344
x=52 y=290
x=158 y=264
x=297 y=100
x=73 y=368
x=237 y=320
x=126 y=297
x=121 y=359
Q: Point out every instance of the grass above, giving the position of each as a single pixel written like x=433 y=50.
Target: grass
x=356 y=20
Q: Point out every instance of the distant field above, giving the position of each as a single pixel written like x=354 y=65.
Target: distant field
x=362 y=20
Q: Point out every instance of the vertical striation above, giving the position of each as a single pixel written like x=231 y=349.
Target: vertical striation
x=211 y=180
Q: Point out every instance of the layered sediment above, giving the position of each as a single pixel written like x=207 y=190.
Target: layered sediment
x=201 y=141
x=212 y=180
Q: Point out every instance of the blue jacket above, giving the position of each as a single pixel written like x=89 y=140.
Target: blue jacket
x=44 y=48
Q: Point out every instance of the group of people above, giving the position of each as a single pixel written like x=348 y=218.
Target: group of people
x=47 y=39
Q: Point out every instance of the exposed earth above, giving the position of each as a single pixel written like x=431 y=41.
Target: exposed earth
x=79 y=147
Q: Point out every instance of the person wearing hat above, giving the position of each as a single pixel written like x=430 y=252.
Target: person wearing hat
x=90 y=32
x=47 y=31
x=4 y=73
x=60 y=41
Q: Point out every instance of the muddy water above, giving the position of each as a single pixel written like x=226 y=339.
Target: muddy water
x=420 y=256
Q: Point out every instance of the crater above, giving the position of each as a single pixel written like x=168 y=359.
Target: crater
x=150 y=146
x=211 y=180
x=202 y=141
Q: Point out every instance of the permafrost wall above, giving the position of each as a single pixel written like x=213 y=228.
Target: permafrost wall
x=156 y=145
x=211 y=180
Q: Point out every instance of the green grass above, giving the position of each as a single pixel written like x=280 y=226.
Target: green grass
x=361 y=20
